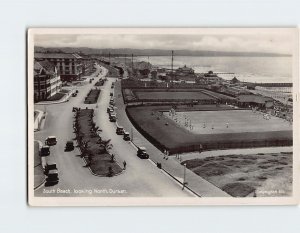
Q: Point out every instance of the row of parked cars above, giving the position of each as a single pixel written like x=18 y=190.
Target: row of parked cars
x=50 y=169
x=141 y=152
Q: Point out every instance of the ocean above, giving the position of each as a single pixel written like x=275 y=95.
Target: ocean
x=250 y=69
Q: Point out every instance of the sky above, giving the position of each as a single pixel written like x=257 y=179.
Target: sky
x=277 y=41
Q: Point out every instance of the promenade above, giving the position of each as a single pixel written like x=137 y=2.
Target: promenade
x=197 y=184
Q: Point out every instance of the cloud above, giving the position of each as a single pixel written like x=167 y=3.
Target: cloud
x=255 y=42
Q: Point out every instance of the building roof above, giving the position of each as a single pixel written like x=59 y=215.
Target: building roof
x=49 y=67
x=185 y=68
x=57 y=55
x=253 y=99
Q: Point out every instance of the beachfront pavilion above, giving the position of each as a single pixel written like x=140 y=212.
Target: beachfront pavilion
x=255 y=101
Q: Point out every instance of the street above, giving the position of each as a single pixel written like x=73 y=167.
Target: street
x=141 y=177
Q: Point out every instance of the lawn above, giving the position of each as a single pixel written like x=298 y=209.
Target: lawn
x=172 y=95
x=258 y=175
x=56 y=96
x=166 y=133
x=235 y=121
x=92 y=96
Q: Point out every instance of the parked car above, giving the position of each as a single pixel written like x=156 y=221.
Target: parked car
x=76 y=91
x=126 y=136
x=111 y=94
x=49 y=167
x=51 y=141
x=75 y=109
x=110 y=109
x=113 y=117
x=120 y=130
x=112 y=102
x=141 y=153
x=45 y=151
x=74 y=94
x=69 y=146
x=52 y=177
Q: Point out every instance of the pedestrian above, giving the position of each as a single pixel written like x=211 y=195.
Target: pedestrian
x=124 y=164
x=112 y=157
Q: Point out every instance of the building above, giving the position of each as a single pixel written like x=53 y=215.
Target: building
x=182 y=71
x=70 y=66
x=255 y=101
x=46 y=80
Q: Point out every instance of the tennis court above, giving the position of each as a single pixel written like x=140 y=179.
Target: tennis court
x=233 y=121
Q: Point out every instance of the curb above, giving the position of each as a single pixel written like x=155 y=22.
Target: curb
x=66 y=99
x=39 y=185
x=168 y=173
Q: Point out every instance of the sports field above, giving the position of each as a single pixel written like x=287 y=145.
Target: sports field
x=233 y=121
x=247 y=130
x=172 y=95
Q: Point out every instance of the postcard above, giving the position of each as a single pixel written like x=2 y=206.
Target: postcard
x=163 y=116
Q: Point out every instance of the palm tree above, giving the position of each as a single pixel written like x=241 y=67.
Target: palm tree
x=105 y=146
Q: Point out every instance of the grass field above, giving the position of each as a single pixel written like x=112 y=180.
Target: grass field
x=234 y=121
x=172 y=95
x=263 y=175
x=166 y=133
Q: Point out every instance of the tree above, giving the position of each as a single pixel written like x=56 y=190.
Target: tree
x=105 y=146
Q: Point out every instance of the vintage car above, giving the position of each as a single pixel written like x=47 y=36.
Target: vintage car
x=51 y=141
x=69 y=146
x=45 y=151
x=126 y=136
x=120 y=130
x=141 y=153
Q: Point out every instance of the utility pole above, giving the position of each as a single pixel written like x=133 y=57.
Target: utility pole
x=132 y=64
x=172 y=67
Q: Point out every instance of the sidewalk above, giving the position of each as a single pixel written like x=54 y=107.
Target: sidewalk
x=38 y=119
x=199 y=185
x=39 y=177
x=62 y=100
x=248 y=151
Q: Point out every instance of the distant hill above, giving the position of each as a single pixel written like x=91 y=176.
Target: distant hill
x=155 y=52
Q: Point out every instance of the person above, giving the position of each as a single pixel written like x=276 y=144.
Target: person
x=112 y=157
x=227 y=125
x=124 y=164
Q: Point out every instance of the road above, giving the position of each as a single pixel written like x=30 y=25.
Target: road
x=140 y=179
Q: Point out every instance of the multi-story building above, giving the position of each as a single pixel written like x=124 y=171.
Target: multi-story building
x=46 y=80
x=70 y=66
